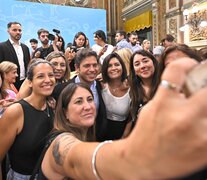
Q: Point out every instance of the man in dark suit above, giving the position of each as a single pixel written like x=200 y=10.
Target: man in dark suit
x=14 y=51
x=87 y=67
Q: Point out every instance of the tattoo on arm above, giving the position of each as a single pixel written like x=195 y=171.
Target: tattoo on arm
x=61 y=146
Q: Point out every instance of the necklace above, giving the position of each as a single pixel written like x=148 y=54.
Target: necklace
x=46 y=111
x=114 y=90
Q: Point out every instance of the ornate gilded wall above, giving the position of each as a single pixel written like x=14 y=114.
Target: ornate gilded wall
x=159 y=20
x=195 y=35
x=196 y=31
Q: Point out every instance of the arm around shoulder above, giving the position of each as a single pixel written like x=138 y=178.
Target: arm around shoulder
x=24 y=90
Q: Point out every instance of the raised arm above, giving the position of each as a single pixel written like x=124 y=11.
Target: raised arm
x=54 y=44
x=24 y=91
x=170 y=138
x=168 y=141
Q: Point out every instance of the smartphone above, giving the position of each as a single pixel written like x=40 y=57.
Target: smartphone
x=196 y=79
x=105 y=47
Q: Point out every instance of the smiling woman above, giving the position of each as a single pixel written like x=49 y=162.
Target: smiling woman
x=115 y=94
x=144 y=80
x=74 y=120
x=25 y=124
x=9 y=70
x=61 y=66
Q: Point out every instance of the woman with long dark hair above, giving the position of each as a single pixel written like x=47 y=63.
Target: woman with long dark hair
x=74 y=121
x=144 y=80
x=79 y=40
x=115 y=93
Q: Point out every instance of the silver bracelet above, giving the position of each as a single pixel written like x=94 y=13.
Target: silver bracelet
x=95 y=172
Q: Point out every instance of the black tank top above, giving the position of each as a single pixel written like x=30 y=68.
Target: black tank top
x=28 y=145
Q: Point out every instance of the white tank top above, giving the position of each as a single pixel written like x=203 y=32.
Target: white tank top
x=117 y=108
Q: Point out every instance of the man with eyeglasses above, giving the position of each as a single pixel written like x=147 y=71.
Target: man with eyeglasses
x=16 y=52
x=46 y=48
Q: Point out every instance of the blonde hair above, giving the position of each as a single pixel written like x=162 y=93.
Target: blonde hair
x=125 y=54
x=57 y=54
x=145 y=41
x=144 y=44
x=7 y=66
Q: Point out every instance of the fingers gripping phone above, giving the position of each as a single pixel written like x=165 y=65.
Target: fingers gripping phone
x=105 y=48
x=196 y=79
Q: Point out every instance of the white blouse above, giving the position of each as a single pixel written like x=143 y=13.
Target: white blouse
x=117 y=108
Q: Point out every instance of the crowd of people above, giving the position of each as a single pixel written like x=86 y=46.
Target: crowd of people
x=105 y=112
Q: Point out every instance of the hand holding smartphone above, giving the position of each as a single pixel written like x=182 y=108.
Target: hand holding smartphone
x=196 y=79
x=105 y=48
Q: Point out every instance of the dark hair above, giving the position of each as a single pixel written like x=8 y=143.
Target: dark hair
x=100 y=35
x=10 y=24
x=60 y=122
x=133 y=33
x=87 y=44
x=105 y=67
x=62 y=48
x=203 y=53
x=2 y=75
x=178 y=47
x=2 y=90
x=76 y=36
x=137 y=92
x=169 y=38
x=84 y=53
x=42 y=31
x=122 y=33
x=162 y=42
x=33 y=40
x=35 y=62
x=69 y=44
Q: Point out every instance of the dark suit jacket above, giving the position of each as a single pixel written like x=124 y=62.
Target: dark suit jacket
x=7 y=53
x=101 y=119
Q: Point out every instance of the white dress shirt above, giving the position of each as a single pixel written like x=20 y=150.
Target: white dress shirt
x=20 y=56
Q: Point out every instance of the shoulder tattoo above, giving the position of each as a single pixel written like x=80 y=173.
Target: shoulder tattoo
x=61 y=146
